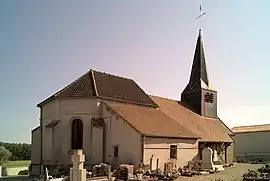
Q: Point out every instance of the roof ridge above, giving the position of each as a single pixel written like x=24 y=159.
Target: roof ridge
x=251 y=125
x=72 y=83
x=162 y=97
x=94 y=81
x=111 y=74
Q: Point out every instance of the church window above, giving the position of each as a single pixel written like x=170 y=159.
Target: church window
x=209 y=97
x=115 y=151
x=173 y=151
x=77 y=134
x=190 y=97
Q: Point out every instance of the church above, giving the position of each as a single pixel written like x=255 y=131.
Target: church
x=115 y=121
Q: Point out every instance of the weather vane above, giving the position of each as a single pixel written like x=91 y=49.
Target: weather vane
x=201 y=13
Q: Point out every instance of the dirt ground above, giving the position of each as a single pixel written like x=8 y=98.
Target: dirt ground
x=230 y=174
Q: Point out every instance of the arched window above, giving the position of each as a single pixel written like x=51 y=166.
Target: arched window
x=77 y=134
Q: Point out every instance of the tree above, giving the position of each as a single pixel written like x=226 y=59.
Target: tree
x=4 y=155
x=20 y=151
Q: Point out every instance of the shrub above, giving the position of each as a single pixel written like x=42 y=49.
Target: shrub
x=4 y=155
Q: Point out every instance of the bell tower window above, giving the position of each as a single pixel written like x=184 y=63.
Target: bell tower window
x=209 y=97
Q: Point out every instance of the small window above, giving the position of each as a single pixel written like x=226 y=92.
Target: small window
x=115 y=151
x=209 y=97
x=173 y=151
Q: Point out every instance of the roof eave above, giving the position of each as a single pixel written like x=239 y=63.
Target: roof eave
x=171 y=137
x=126 y=101
x=217 y=141
x=35 y=129
x=253 y=131
x=49 y=99
x=231 y=132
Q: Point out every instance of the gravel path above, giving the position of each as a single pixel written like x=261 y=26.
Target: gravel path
x=230 y=174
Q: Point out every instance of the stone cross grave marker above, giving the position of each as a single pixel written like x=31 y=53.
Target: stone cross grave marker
x=77 y=172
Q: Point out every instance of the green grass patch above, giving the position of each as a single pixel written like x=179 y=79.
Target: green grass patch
x=19 y=163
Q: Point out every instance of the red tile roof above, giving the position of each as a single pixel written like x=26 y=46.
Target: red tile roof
x=209 y=129
x=103 y=85
x=150 y=121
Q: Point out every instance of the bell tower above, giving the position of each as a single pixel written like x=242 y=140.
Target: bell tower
x=198 y=94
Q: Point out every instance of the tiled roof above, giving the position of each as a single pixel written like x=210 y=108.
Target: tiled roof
x=103 y=85
x=150 y=121
x=251 y=128
x=120 y=88
x=209 y=129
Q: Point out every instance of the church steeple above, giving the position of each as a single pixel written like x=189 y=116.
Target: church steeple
x=198 y=93
x=199 y=72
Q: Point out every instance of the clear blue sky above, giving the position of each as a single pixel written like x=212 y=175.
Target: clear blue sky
x=44 y=45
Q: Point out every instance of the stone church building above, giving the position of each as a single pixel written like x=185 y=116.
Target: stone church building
x=114 y=121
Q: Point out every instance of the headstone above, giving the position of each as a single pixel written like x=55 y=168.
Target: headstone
x=215 y=156
x=46 y=173
x=207 y=162
x=77 y=172
x=130 y=169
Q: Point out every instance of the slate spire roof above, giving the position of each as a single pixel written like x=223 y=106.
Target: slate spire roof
x=198 y=77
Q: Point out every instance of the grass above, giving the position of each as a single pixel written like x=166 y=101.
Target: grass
x=19 y=163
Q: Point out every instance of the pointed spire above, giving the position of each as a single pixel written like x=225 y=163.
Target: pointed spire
x=199 y=72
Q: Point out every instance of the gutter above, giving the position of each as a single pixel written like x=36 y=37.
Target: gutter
x=170 y=137
x=142 y=147
x=41 y=140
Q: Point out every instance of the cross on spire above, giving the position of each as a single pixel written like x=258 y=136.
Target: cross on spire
x=201 y=13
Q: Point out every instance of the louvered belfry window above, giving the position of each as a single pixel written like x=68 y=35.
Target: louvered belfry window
x=209 y=97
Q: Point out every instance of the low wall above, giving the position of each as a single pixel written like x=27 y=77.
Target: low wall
x=34 y=170
x=13 y=171
x=253 y=158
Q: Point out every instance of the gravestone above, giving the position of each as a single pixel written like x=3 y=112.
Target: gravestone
x=215 y=156
x=77 y=172
x=207 y=162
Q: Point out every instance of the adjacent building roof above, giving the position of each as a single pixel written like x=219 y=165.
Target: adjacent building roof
x=209 y=129
x=103 y=85
x=150 y=121
x=251 y=128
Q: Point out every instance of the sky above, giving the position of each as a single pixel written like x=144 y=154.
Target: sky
x=45 y=45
